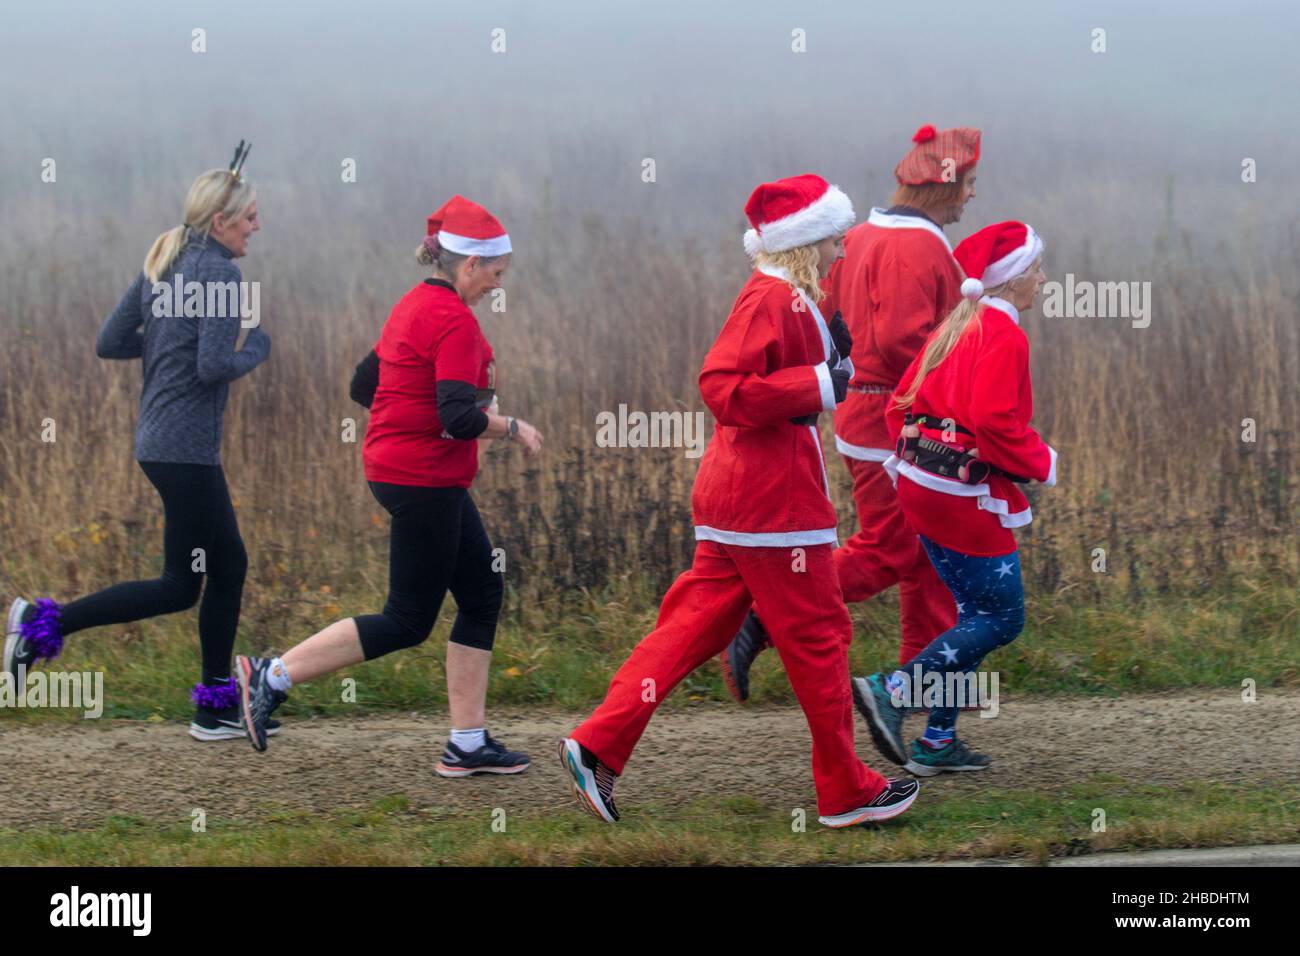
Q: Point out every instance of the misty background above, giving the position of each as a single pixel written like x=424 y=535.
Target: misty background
x=1128 y=163
x=1100 y=151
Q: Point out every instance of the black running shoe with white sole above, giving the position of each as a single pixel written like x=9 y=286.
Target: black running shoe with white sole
x=224 y=724
x=897 y=796
x=257 y=698
x=750 y=641
x=592 y=782
x=492 y=757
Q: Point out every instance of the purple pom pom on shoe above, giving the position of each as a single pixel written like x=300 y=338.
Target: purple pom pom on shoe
x=216 y=696
x=42 y=629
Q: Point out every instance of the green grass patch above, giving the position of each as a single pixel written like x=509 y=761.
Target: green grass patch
x=563 y=654
x=734 y=831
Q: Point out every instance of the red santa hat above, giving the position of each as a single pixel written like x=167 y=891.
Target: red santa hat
x=995 y=254
x=960 y=147
x=795 y=212
x=467 y=229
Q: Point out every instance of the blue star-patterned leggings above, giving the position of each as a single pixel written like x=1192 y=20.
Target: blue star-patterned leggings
x=990 y=612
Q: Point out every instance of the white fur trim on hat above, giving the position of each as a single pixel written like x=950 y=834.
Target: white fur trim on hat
x=829 y=215
x=1013 y=264
x=465 y=246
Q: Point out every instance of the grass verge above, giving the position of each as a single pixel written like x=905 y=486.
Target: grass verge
x=734 y=831
x=565 y=658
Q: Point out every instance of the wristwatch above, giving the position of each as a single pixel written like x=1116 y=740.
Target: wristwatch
x=512 y=428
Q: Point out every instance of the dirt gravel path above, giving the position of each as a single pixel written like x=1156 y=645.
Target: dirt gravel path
x=76 y=776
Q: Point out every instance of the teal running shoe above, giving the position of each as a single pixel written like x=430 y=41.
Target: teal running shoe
x=926 y=761
x=884 y=718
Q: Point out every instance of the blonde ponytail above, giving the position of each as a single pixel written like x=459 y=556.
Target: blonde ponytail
x=163 y=253
x=953 y=328
x=216 y=191
x=940 y=345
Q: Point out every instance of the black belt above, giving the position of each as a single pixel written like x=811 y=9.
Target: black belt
x=937 y=458
x=937 y=423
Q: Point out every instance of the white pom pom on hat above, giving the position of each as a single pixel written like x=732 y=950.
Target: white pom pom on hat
x=972 y=288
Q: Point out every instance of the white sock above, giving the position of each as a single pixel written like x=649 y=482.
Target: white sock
x=467 y=741
x=277 y=675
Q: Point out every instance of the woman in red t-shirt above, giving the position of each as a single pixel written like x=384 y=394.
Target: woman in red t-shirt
x=429 y=386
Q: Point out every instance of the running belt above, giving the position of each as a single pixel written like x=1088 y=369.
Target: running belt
x=940 y=459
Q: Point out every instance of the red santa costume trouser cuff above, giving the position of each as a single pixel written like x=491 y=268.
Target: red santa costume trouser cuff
x=885 y=552
x=797 y=596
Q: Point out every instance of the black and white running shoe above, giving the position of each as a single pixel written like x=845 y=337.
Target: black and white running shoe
x=592 y=781
x=18 y=650
x=897 y=796
x=492 y=757
x=224 y=725
x=257 y=698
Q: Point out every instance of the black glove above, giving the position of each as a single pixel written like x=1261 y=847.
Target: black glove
x=839 y=385
x=840 y=336
x=977 y=472
x=839 y=382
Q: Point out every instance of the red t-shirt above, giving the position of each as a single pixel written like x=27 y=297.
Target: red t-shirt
x=430 y=336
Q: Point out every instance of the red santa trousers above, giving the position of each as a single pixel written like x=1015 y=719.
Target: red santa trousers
x=886 y=551
x=810 y=627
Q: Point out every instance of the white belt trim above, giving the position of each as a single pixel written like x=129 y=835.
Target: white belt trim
x=947 y=486
x=1017 y=520
x=984 y=499
x=767 y=539
x=860 y=452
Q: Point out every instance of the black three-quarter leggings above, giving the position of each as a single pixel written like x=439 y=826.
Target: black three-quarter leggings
x=198 y=516
x=438 y=544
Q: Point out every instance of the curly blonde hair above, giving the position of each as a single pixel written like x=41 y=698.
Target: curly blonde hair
x=800 y=263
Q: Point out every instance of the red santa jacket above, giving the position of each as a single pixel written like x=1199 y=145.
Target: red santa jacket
x=983 y=386
x=762 y=481
x=896 y=283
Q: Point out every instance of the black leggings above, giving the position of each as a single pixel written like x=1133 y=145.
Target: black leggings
x=437 y=544
x=198 y=515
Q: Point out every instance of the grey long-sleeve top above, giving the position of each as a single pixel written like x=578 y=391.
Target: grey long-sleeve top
x=189 y=361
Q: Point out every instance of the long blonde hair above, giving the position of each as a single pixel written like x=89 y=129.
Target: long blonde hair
x=216 y=191
x=950 y=332
x=800 y=263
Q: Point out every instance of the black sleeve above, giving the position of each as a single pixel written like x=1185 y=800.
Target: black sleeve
x=460 y=416
x=365 y=380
